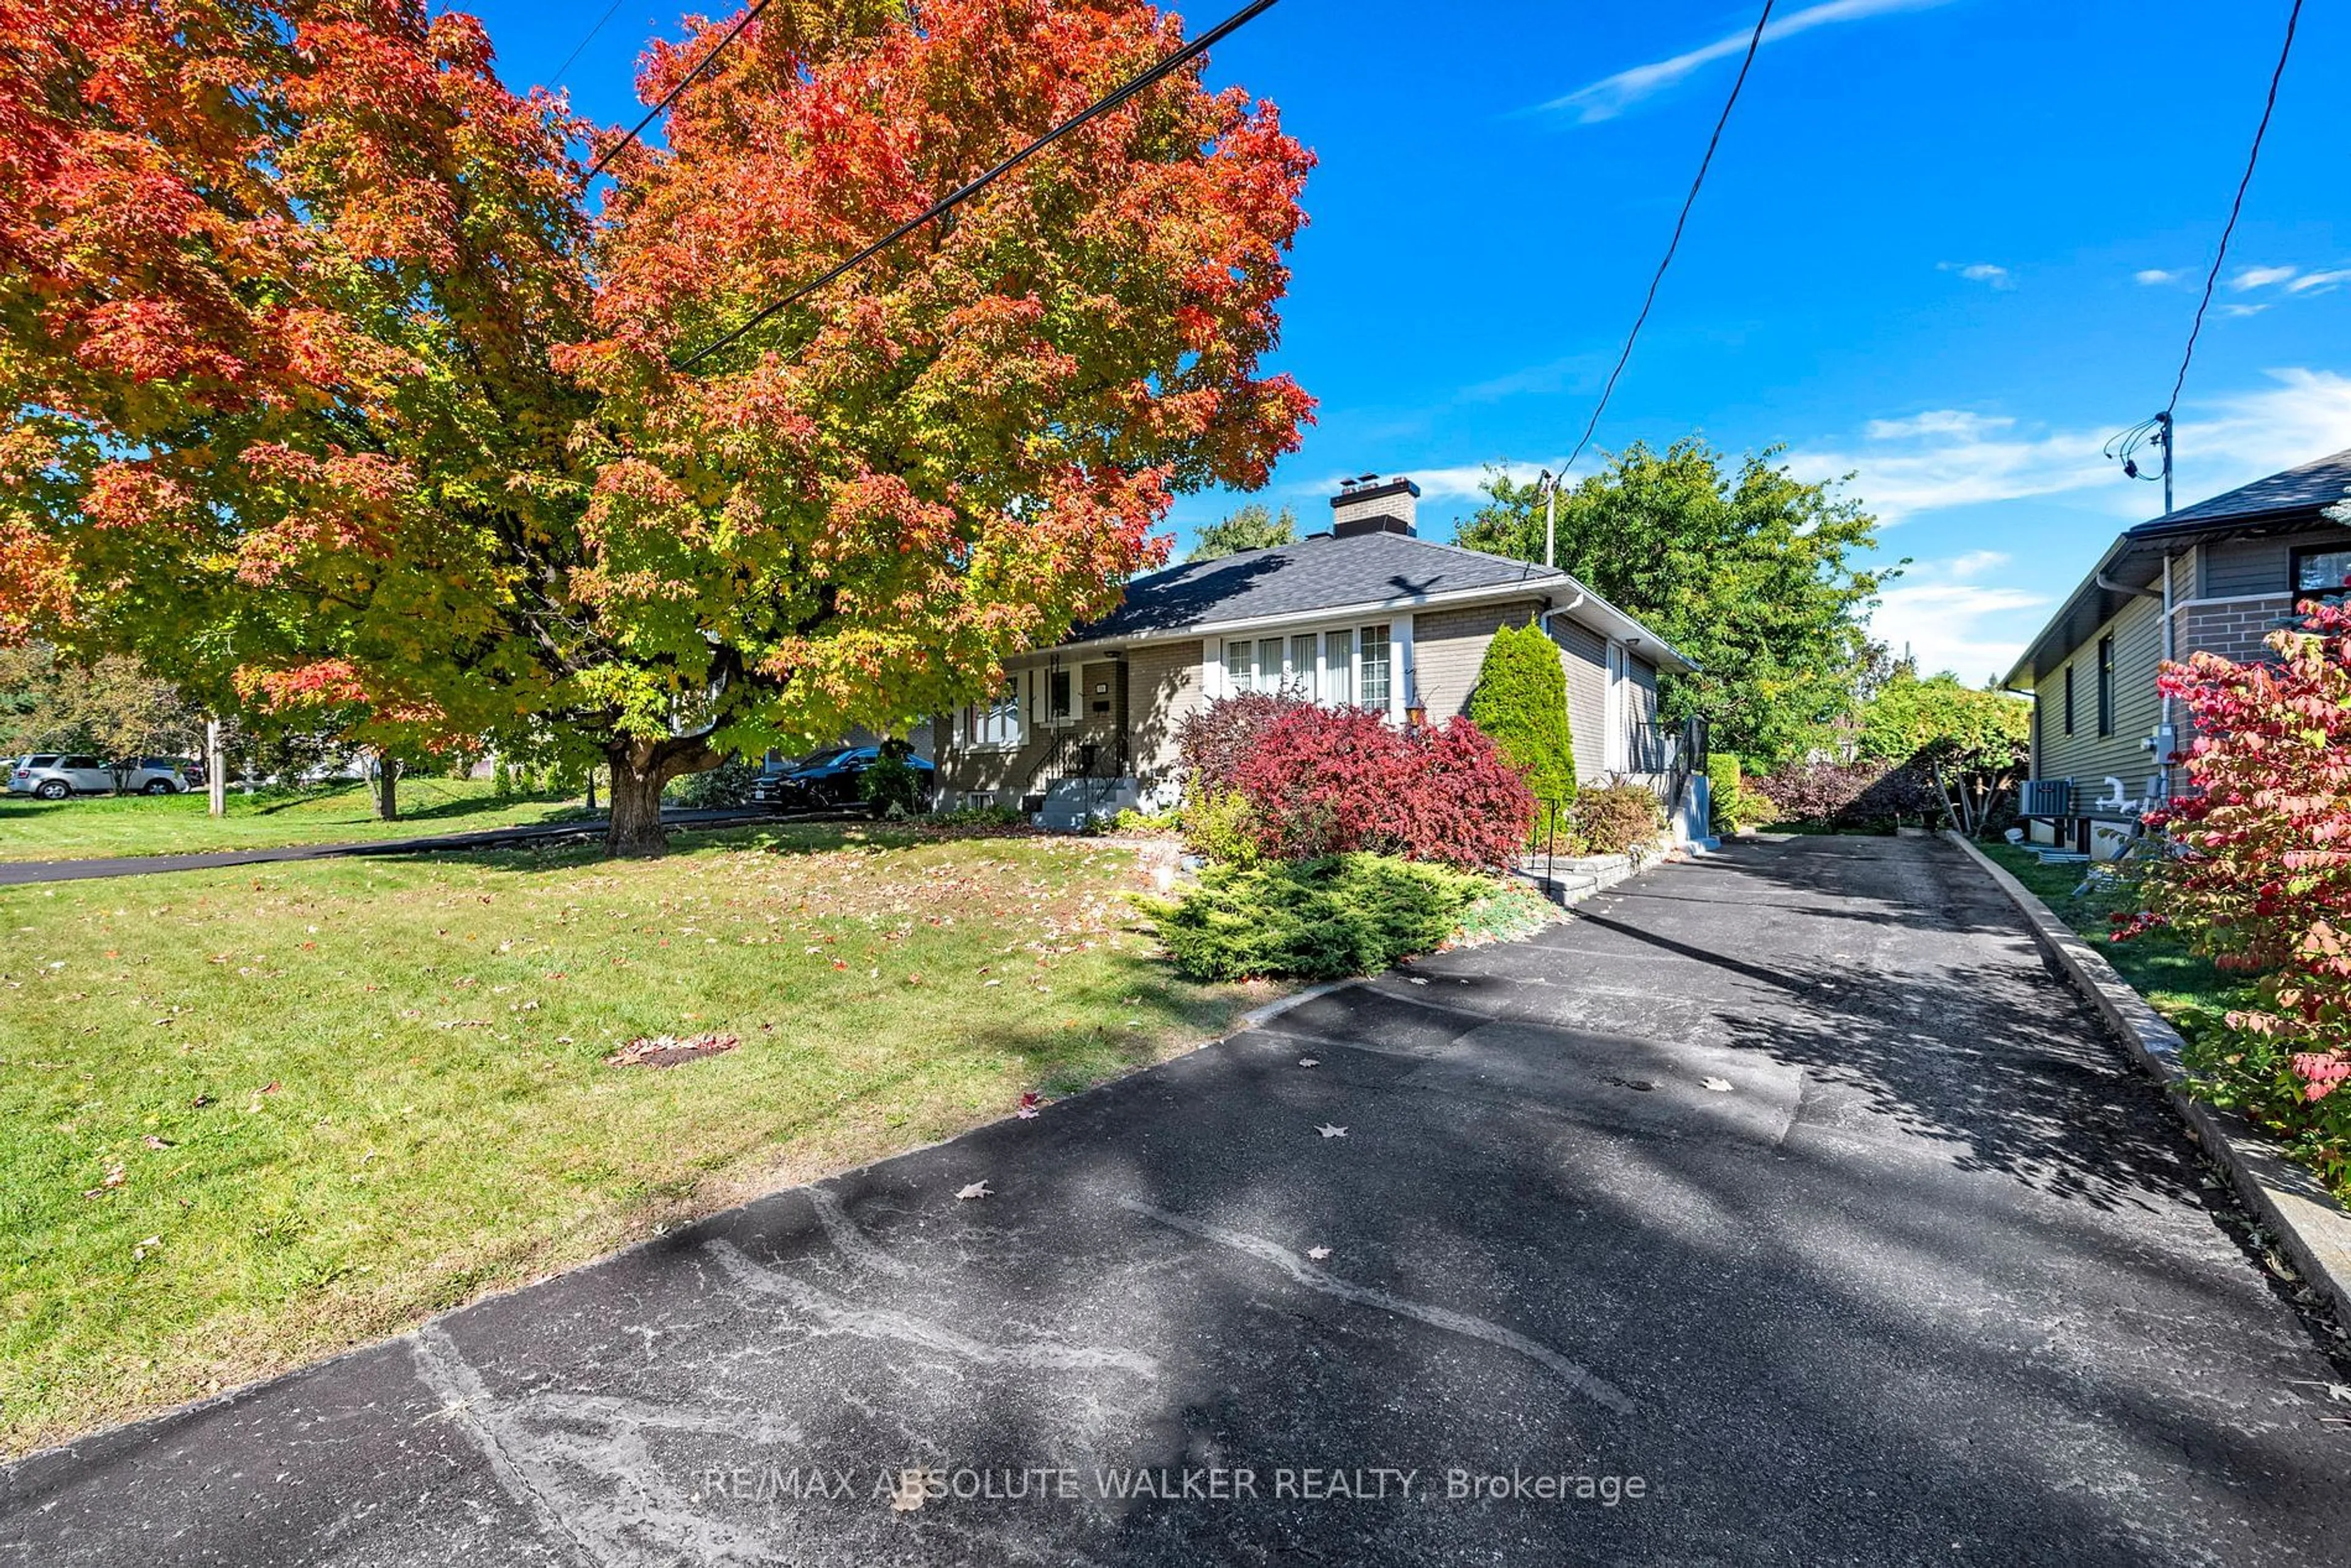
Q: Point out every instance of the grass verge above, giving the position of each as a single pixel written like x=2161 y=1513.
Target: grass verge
x=94 y=827
x=2176 y=982
x=248 y=1118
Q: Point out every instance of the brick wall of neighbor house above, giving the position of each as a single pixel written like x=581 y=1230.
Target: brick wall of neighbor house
x=2234 y=628
x=1163 y=689
x=2086 y=755
x=1584 y=655
x=1449 y=645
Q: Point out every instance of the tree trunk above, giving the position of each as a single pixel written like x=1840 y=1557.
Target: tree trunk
x=639 y=768
x=387 y=790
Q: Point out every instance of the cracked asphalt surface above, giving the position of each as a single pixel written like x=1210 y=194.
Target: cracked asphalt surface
x=1934 y=1279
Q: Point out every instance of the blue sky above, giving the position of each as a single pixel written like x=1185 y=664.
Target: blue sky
x=1948 y=246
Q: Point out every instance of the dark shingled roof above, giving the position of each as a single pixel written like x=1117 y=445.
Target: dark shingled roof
x=2319 y=483
x=1317 y=573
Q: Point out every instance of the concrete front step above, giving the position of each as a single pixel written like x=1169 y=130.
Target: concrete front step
x=1078 y=805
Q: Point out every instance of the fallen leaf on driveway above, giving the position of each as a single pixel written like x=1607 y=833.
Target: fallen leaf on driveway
x=1030 y=1102
x=1318 y=1253
x=976 y=1190
x=1329 y=1131
x=1719 y=1085
x=1309 y=1061
x=1414 y=980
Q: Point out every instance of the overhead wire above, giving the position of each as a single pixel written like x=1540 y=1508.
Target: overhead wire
x=688 y=80
x=610 y=11
x=1754 y=42
x=2252 y=161
x=973 y=187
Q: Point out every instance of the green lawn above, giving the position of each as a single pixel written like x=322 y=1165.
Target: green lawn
x=101 y=825
x=248 y=1118
x=2175 y=981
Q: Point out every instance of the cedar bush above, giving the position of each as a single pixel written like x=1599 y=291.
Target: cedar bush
x=894 y=785
x=1613 y=819
x=1520 y=700
x=1318 y=919
x=1321 y=782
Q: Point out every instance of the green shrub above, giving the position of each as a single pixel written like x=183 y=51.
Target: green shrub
x=1613 y=818
x=728 y=784
x=1219 y=825
x=1724 y=770
x=1520 y=700
x=1742 y=808
x=893 y=786
x=1132 y=820
x=1313 y=920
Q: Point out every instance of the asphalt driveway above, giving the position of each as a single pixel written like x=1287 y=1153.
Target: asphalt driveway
x=1779 y=1207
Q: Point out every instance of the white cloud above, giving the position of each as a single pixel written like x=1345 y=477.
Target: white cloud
x=2319 y=282
x=1976 y=562
x=1952 y=457
x=2151 y=276
x=2250 y=278
x=2240 y=311
x=1978 y=272
x=1974 y=630
x=1611 y=96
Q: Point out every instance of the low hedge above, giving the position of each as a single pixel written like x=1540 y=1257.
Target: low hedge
x=1313 y=920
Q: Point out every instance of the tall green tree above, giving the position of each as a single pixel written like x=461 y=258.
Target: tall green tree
x=1252 y=526
x=1751 y=572
x=1520 y=699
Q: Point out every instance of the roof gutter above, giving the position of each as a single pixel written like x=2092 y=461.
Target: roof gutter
x=2111 y=586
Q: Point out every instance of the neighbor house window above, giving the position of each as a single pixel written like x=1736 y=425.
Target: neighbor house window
x=2322 y=570
x=1339 y=668
x=2069 y=699
x=996 y=723
x=1373 y=668
x=1240 y=666
x=2106 y=686
x=1300 y=680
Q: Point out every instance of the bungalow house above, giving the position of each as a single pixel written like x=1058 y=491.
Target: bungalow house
x=2219 y=576
x=1367 y=613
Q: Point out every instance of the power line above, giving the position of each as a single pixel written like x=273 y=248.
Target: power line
x=965 y=193
x=2252 y=160
x=583 y=42
x=1754 y=42
x=670 y=96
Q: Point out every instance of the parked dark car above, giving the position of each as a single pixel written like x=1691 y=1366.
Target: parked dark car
x=829 y=777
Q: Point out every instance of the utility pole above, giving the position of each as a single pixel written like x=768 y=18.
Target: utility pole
x=1548 y=485
x=215 y=769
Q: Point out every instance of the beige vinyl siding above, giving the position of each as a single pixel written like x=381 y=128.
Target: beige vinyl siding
x=1640 y=691
x=1448 y=647
x=2087 y=755
x=1584 y=653
x=1163 y=690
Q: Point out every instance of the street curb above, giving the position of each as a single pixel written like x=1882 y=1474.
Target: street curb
x=2312 y=1229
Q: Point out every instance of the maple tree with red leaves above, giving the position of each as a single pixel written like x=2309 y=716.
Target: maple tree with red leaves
x=331 y=385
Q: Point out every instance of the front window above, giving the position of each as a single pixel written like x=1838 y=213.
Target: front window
x=1344 y=667
x=1057 y=696
x=997 y=722
x=2324 y=571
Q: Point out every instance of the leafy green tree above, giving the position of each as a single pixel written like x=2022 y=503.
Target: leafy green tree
x=114 y=706
x=1520 y=699
x=1252 y=526
x=1751 y=573
x=1970 y=742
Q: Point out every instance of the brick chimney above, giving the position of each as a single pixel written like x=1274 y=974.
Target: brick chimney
x=1372 y=504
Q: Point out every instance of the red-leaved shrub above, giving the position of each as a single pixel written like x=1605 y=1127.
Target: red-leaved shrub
x=2260 y=879
x=1859 y=795
x=1322 y=781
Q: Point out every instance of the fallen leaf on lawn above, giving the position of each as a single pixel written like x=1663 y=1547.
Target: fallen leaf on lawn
x=268 y=1088
x=668 y=1050
x=1309 y=1061
x=1318 y=1253
x=976 y=1190
x=984 y=984
x=1328 y=1131
x=200 y=1101
x=139 y=1253
x=1719 y=1085
x=114 y=1178
x=153 y=1142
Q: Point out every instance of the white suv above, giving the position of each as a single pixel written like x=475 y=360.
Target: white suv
x=53 y=775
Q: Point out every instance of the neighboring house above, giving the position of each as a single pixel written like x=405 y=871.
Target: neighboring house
x=2217 y=577
x=1367 y=615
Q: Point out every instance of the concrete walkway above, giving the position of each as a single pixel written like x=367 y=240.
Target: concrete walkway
x=23 y=873
x=1779 y=1202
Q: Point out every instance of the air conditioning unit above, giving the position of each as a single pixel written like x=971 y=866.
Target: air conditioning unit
x=2048 y=798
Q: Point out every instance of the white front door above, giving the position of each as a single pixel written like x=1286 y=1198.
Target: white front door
x=1612 y=756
